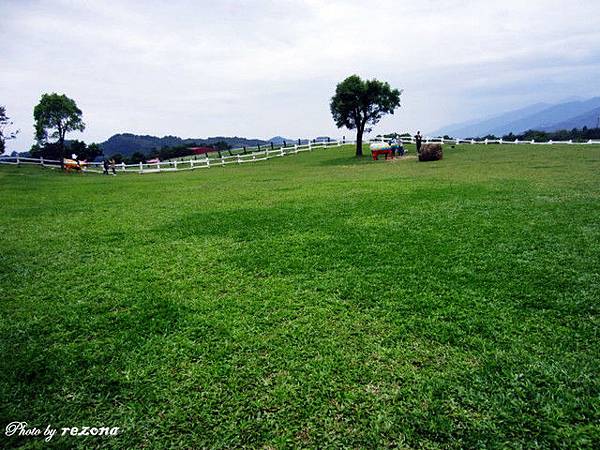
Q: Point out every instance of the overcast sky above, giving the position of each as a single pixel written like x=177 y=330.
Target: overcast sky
x=264 y=68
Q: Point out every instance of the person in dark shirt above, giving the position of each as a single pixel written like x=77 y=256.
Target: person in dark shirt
x=418 y=140
x=105 y=166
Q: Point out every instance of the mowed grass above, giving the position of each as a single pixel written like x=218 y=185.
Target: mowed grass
x=308 y=301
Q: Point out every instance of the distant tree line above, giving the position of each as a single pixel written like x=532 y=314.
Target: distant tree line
x=166 y=152
x=576 y=135
x=54 y=150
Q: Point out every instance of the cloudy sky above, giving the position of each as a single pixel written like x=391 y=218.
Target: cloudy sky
x=264 y=68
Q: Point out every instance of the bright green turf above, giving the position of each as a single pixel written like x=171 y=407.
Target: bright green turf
x=311 y=300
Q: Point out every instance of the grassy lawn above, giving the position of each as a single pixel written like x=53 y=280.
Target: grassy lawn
x=307 y=301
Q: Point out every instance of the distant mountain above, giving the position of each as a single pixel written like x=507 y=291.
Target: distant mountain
x=127 y=144
x=589 y=119
x=541 y=116
x=476 y=128
x=278 y=140
x=549 y=118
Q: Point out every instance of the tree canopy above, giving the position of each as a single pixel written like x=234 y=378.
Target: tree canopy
x=358 y=103
x=55 y=116
x=5 y=133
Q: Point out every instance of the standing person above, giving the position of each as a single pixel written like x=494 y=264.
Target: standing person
x=418 y=140
x=112 y=166
x=105 y=166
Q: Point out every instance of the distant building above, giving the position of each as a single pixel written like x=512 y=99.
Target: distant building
x=201 y=150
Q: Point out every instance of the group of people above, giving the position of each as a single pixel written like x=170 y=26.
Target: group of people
x=397 y=146
x=109 y=164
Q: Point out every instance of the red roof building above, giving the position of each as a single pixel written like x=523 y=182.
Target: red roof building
x=201 y=150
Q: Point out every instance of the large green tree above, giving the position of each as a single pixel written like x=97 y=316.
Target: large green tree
x=5 y=133
x=358 y=103
x=55 y=116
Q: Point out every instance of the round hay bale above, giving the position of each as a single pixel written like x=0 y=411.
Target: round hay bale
x=431 y=152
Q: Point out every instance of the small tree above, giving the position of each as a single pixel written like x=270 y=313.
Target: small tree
x=137 y=157
x=5 y=134
x=117 y=157
x=78 y=148
x=83 y=151
x=358 y=103
x=58 y=115
x=93 y=150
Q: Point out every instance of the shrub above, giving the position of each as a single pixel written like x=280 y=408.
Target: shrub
x=431 y=152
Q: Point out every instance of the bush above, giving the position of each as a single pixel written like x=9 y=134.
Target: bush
x=431 y=152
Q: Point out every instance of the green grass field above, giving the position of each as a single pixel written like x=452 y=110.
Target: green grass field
x=308 y=301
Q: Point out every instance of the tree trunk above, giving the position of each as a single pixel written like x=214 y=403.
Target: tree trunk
x=61 y=146
x=359 y=136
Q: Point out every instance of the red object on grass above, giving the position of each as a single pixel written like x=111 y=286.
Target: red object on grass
x=201 y=150
x=376 y=153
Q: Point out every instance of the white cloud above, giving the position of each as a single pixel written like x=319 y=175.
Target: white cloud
x=260 y=68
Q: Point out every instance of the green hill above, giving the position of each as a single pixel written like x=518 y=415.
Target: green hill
x=311 y=301
x=127 y=144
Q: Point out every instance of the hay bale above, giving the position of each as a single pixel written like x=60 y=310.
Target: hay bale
x=431 y=152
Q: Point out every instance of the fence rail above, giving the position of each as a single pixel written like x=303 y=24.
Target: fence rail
x=256 y=154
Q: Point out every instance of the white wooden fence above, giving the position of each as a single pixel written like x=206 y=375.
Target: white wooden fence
x=264 y=154
x=186 y=164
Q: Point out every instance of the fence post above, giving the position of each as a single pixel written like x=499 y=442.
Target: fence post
x=238 y=159
x=222 y=160
x=309 y=146
x=570 y=141
x=42 y=161
x=141 y=167
x=500 y=141
x=486 y=141
x=295 y=148
x=175 y=165
x=191 y=164
x=457 y=141
x=282 y=151
x=532 y=141
x=18 y=161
